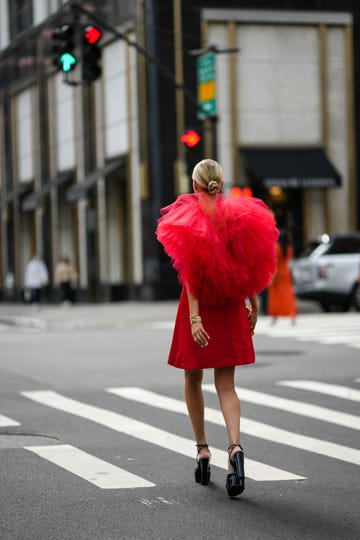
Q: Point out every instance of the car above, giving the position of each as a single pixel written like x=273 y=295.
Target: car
x=329 y=272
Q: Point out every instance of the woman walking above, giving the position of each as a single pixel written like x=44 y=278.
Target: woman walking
x=224 y=252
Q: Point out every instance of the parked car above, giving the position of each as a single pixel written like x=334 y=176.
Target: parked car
x=329 y=272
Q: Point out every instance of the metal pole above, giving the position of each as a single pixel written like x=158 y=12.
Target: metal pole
x=179 y=81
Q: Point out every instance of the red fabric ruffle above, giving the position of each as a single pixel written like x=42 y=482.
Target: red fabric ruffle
x=223 y=248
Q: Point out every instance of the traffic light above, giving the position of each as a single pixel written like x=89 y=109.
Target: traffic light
x=63 y=46
x=193 y=149
x=91 y=53
x=191 y=138
x=238 y=191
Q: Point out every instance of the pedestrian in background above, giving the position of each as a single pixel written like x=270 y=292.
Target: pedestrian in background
x=66 y=280
x=224 y=251
x=281 y=300
x=36 y=278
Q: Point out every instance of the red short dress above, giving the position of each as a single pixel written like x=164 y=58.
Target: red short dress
x=224 y=251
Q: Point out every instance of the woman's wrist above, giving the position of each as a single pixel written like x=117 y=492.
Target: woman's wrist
x=194 y=319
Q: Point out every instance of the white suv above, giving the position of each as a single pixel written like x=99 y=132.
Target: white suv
x=329 y=272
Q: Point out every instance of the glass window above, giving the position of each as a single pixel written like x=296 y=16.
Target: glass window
x=20 y=15
x=54 y=5
x=345 y=245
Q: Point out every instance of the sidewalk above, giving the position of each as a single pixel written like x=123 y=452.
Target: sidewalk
x=114 y=313
x=90 y=314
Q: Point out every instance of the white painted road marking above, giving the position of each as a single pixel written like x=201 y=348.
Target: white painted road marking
x=151 y=434
x=296 y=407
x=5 y=421
x=335 y=390
x=251 y=427
x=324 y=328
x=90 y=468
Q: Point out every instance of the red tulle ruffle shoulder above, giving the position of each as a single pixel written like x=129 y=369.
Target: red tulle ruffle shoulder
x=223 y=248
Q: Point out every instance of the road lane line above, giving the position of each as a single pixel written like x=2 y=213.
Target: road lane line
x=90 y=468
x=335 y=390
x=5 y=421
x=251 y=427
x=325 y=330
x=297 y=407
x=146 y=432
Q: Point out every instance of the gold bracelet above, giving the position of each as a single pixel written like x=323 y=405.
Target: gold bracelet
x=194 y=318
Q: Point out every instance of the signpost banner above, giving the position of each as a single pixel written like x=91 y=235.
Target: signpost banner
x=206 y=82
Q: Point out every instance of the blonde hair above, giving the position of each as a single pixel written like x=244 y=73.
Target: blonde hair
x=208 y=175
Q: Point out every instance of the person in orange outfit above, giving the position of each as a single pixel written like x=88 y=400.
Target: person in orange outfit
x=281 y=297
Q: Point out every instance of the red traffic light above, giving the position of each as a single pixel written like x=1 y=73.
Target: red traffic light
x=237 y=191
x=92 y=34
x=190 y=138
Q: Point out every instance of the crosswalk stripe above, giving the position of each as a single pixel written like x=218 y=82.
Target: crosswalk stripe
x=293 y=406
x=251 y=427
x=325 y=328
x=5 y=421
x=151 y=434
x=335 y=390
x=90 y=468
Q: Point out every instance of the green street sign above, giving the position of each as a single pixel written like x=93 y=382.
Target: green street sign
x=68 y=62
x=206 y=83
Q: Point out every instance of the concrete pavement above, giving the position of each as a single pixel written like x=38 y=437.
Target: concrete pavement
x=106 y=313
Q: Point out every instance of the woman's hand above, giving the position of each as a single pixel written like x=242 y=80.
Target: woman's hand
x=252 y=320
x=199 y=334
x=252 y=313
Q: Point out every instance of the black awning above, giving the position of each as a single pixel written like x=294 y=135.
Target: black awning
x=32 y=201
x=292 y=168
x=79 y=191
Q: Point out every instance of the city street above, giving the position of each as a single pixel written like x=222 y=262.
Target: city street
x=95 y=442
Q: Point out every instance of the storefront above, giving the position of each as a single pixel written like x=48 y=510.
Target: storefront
x=285 y=104
x=285 y=177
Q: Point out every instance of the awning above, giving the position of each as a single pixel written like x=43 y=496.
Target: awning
x=79 y=191
x=292 y=168
x=32 y=201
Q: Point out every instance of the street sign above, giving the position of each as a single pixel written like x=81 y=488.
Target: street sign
x=206 y=82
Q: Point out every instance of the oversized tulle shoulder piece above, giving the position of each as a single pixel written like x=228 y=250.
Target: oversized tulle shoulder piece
x=182 y=201
x=222 y=247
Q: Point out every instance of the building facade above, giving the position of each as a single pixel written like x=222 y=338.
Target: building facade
x=85 y=169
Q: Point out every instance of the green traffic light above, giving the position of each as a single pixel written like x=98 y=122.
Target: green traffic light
x=68 y=62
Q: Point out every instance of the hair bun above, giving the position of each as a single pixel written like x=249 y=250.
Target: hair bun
x=213 y=187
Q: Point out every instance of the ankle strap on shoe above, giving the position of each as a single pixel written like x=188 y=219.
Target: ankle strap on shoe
x=201 y=446
x=232 y=446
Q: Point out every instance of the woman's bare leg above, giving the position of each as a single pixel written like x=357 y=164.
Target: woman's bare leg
x=229 y=401
x=195 y=404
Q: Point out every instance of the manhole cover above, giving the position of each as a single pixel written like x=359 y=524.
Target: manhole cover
x=9 y=439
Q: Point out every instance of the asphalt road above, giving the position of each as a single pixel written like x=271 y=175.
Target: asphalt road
x=87 y=453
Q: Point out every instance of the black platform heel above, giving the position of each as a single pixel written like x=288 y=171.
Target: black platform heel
x=235 y=481
x=202 y=471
